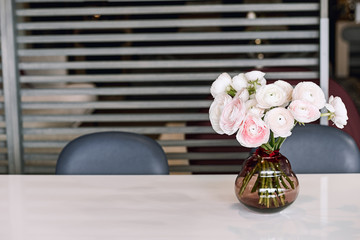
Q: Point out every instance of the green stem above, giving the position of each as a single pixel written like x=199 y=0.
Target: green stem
x=267 y=185
x=273 y=197
x=263 y=178
x=247 y=179
x=256 y=184
x=271 y=186
x=277 y=185
x=266 y=146
x=279 y=142
x=286 y=177
x=272 y=139
x=231 y=91
x=283 y=183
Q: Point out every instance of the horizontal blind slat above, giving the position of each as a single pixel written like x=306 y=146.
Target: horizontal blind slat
x=164 y=77
x=117 y=91
x=150 y=77
x=151 y=117
x=201 y=142
x=310 y=34
x=168 y=9
x=170 y=50
x=81 y=1
x=168 y=23
x=209 y=155
x=165 y=143
x=168 y=104
x=170 y=156
x=171 y=64
x=141 y=130
x=173 y=169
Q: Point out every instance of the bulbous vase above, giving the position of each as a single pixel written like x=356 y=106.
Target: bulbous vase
x=266 y=182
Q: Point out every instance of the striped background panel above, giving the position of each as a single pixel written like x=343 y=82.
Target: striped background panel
x=147 y=67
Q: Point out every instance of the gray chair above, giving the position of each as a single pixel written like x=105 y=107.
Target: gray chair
x=315 y=148
x=106 y=153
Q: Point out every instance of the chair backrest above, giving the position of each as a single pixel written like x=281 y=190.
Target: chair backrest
x=112 y=153
x=321 y=149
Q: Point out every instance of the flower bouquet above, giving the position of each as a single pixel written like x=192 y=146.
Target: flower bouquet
x=262 y=116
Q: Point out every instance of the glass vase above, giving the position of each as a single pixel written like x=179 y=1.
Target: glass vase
x=266 y=182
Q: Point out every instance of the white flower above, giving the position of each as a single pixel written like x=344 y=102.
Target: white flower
x=287 y=88
x=251 y=107
x=338 y=112
x=243 y=95
x=304 y=111
x=220 y=85
x=270 y=95
x=280 y=121
x=310 y=92
x=216 y=109
x=239 y=82
x=256 y=76
x=253 y=132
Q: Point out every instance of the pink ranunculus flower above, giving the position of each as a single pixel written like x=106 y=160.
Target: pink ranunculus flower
x=253 y=132
x=280 y=121
x=304 y=111
x=232 y=116
x=338 y=112
x=216 y=109
x=310 y=92
x=221 y=84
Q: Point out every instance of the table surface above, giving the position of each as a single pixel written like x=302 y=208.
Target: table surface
x=171 y=207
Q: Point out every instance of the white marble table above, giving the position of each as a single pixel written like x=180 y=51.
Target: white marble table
x=171 y=207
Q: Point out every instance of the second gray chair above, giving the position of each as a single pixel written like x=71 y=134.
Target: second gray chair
x=321 y=149
x=105 y=153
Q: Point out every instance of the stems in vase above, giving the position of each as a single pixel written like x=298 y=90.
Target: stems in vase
x=271 y=181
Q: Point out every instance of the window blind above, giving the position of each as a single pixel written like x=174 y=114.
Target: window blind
x=147 y=67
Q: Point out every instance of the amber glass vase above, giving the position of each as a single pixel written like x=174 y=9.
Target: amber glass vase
x=266 y=182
